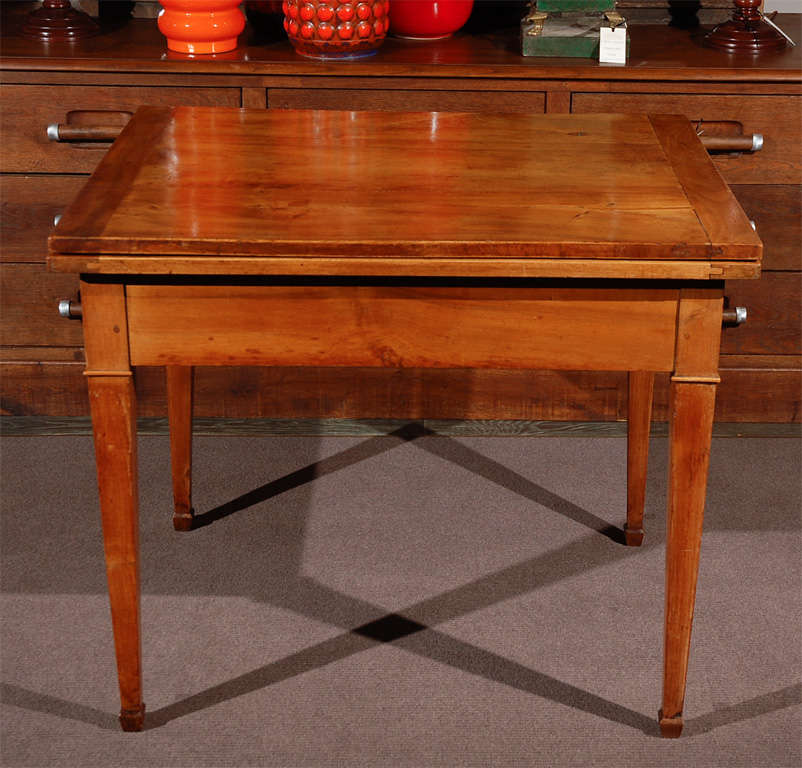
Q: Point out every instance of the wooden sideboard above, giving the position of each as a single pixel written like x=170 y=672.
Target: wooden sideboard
x=101 y=81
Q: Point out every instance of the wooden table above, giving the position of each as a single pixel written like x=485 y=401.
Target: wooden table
x=213 y=236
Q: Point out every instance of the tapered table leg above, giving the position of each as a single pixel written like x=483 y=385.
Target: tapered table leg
x=691 y=415
x=113 y=418
x=641 y=387
x=179 y=412
x=113 y=403
x=692 y=401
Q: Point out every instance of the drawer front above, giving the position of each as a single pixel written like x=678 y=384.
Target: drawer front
x=400 y=327
x=777 y=213
x=774 y=323
x=28 y=110
x=29 y=296
x=775 y=117
x=29 y=205
x=525 y=102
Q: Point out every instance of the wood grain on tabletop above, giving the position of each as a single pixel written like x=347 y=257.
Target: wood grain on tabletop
x=720 y=214
x=206 y=182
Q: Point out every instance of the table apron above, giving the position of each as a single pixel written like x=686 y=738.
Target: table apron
x=584 y=328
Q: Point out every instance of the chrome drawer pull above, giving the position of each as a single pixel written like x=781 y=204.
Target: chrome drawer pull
x=753 y=143
x=70 y=309
x=78 y=133
x=734 y=316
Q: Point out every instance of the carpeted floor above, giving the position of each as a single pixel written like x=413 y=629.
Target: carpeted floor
x=380 y=601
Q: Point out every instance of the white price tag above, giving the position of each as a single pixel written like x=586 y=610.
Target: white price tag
x=613 y=45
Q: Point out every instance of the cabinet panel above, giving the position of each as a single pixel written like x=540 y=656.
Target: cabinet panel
x=777 y=213
x=527 y=102
x=775 y=117
x=28 y=110
x=28 y=207
x=29 y=296
x=58 y=388
x=774 y=324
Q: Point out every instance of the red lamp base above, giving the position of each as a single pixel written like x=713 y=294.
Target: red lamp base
x=734 y=37
x=745 y=32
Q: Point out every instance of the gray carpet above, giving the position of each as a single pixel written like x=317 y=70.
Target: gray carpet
x=382 y=601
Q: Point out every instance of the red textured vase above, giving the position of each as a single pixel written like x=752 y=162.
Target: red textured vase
x=429 y=19
x=201 y=26
x=336 y=29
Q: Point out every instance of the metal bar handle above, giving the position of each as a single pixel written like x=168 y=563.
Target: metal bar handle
x=753 y=143
x=70 y=309
x=77 y=133
x=734 y=316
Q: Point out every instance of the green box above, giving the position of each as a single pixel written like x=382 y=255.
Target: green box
x=570 y=35
x=575 y=6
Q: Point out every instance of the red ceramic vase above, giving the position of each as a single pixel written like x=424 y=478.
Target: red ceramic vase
x=336 y=29
x=429 y=19
x=201 y=26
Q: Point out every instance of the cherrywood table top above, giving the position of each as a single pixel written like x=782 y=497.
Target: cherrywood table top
x=227 y=191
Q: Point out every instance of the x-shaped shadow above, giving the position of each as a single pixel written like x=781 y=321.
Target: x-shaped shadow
x=413 y=628
x=422 y=641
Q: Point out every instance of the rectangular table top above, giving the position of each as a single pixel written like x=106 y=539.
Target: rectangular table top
x=194 y=190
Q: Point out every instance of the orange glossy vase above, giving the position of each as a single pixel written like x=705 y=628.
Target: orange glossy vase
x=201 y=26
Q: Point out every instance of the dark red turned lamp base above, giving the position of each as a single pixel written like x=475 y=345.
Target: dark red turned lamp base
x=58 y=21
x=745 y=32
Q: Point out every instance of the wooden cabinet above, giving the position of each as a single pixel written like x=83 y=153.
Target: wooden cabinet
x=778 y=119
x=405 y=100
x=102 y=81
x=28 y=111
x=30 y=204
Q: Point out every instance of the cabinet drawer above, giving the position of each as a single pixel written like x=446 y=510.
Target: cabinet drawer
x=774 y=324
x=526 y=102
x=775 y=117
x=777 y=213
x=29 y=205
x=29 y=296
x=28 y=110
